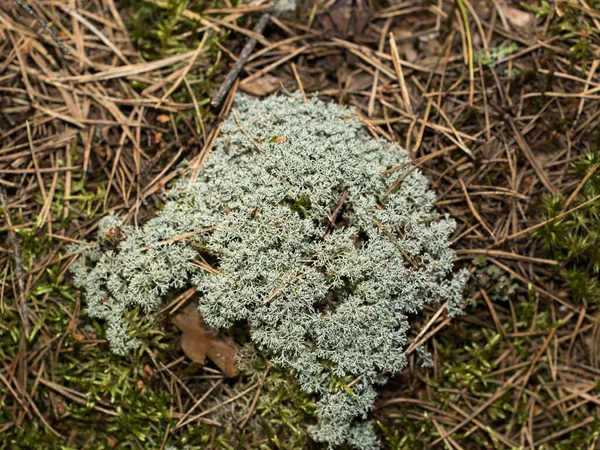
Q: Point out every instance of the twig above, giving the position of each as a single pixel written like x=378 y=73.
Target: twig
x=332 y=218
x=46 y=28
x=208 y=411
x=299 y=81
x=237 y=120
x=18 y=266
x=254 y=400
x=546 y=222
x=395 y=242
x=400 y=74
x=237 y=67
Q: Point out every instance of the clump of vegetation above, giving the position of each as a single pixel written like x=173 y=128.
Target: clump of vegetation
x=283 y=412
x=573 y=239
x=323 y=239
x=493 y=280
x=573 y=24
x=93 y=395
x=495 y=54
x=160 y=29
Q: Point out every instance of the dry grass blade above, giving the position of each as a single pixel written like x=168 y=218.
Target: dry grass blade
x=185 y=70
x=125 y=71
x=474 y=211
x=507 y=385
x=417 y=340
x=546 y=222
x=214 y=408
x=299 y=81
x=400 y=74
x=526 y=149
x=575 y=193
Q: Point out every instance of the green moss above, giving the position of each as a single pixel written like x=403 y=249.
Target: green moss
x=573 y=239
x=138 y=401
x=472 y=372
x=494 y=54
x=76 y=357
x=159 y=29
x=573 y=25
x=163 y=28
x=406 y=433
x=578 y=438
x=467 y=354
x=300 y=205
x=283 y=411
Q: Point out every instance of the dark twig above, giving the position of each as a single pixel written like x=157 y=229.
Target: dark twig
x=333 y=217
x=22 y=307
x=42 y=22
x=237 y=67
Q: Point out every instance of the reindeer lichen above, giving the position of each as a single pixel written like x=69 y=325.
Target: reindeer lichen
x=307 y=245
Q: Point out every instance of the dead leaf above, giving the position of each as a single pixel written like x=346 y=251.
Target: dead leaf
x=406 y=43
x=518 y=17
x=265 y=85
x=60 y=406
x=199 y=340
x=360 y=82
x=345 y=19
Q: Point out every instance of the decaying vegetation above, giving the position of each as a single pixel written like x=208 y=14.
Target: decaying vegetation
x=498 y=105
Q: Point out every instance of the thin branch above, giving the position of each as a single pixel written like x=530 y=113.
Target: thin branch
x=237 y=67
x=45 y=26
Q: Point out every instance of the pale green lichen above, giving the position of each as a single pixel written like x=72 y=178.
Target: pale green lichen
x=330 y=302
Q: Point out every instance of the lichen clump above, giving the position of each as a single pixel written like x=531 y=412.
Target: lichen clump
x=306 y=244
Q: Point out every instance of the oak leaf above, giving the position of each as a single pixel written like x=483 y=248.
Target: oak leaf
x=199 y=340
x=265 y=85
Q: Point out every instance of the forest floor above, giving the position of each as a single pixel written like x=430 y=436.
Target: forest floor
x=498 y=103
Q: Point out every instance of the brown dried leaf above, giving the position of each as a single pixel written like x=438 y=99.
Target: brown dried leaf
x=199 y=340
x=60 y=406
x=406 y=43
x=360 y=82
x=265 y=85
x=345 y=19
